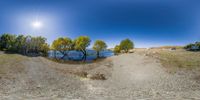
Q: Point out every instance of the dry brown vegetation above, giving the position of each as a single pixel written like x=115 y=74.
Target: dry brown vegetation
x=9 y=60
x=167 y=47
x=174 y=59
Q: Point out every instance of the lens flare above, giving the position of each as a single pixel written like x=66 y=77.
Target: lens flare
x=37 y=24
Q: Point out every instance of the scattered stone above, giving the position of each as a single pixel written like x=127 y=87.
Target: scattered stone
x=82 y=74
x=89 y=76
x=38 y=86
x=98 y=76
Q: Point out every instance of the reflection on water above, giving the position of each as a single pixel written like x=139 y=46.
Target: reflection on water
x=77 y=55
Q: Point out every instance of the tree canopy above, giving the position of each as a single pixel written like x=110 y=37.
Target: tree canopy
x=7 y=41
x=23 y=44
x=62 y=45
x=99 y=45
x=81 y=43
x=197 y=44
x=37 y=45
x=45 y=48
x=117 y=49
x=126 y=45
x=189 y=46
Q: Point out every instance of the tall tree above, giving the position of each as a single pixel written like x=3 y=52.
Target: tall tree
x=126 y=45
x=117 y=49
x=7 y=41
x=62 y=45
x=34 y=44
x=81 y=43
x=193 y=46
x=45 y=48
x=189 y=46
x=20 y=42
x=197 y=44
x=99 y=45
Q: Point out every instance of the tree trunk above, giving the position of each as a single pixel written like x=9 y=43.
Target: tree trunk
x=54 y=53
x=64 y=54
x=98 y=54
x=84 y=55
x=126 y=50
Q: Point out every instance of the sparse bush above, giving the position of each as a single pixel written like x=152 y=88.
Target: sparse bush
x=117 y=49
x=81 y=74
x=98 y=76
x=195 y=46
x=98 y=46
x=126 y=45
x=189 y=46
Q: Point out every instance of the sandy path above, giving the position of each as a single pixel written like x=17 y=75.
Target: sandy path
x=131 y=76
x=139 y=77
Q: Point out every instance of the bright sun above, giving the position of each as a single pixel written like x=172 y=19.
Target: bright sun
x=37 y=24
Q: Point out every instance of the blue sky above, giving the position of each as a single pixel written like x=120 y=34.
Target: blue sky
x=148 y=23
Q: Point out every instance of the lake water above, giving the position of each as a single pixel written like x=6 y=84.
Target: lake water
x=77 y=55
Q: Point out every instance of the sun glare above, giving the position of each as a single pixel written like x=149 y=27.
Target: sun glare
x=37 y=24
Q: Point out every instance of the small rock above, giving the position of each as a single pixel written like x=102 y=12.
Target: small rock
x=89 y=76
x=38 y=86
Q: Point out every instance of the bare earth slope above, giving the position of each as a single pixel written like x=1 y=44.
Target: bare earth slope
x=129 y=76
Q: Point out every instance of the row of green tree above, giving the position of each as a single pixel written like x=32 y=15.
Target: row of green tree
x=23 y=44
x=193 y=46
x=38 y=45
x=64 y=44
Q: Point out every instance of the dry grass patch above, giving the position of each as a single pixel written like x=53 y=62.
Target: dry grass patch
x=176 y=59
x=11 y=63
x=181 y=59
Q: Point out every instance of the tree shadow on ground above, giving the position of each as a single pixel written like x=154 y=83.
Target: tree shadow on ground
x=28 y=54
x=76 y=61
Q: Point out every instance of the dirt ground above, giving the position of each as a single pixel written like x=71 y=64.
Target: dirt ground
x=127 y=76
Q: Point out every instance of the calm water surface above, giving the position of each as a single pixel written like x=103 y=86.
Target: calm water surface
x=77 y=55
